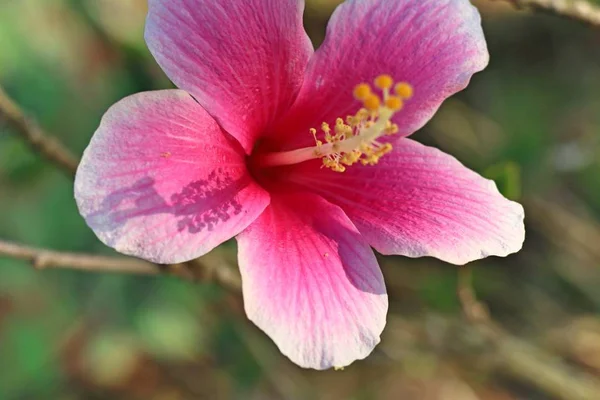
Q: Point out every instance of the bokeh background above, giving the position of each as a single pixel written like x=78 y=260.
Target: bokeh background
x=531 y=121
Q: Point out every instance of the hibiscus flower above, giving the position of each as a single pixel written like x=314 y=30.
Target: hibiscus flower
x=301 y=155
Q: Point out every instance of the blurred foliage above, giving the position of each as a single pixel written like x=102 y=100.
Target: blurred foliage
x=531 y=122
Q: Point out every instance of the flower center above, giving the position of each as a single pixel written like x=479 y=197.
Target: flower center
x=354 y=139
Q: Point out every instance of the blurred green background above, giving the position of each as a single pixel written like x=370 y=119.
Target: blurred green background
x=531 y=121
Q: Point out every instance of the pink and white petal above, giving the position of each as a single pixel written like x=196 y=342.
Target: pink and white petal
x=312 y=283
x=160 y=180
x=419 y=201
x=243 y=60
x=435 y=45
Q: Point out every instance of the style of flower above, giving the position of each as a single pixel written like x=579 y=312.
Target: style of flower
x=300 y=155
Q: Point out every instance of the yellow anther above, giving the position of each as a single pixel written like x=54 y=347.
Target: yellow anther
x=362 y=114
x=404 y=90
x=362 y=91
x=384 y=82
x=342 y=131
x=351 y=158
x=372 y=102
x=391 y=129
x=394 y=103
x=333 y=165
x=313 y=131
x=365 y=148
x=354 y=139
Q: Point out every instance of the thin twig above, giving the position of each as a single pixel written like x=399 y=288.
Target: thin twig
x=196 y=270
x=49 y=259
x=33 y=134
x=474 y=310
x=520 y=359
x=580 y=10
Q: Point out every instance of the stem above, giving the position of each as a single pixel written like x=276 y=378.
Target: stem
x=211 y=267
x=579 y=10
x=39 y=140
x=47 y=259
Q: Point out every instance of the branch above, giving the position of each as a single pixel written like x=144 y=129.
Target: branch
x=580 y=10
x=522 y=360
x=46 y=145
x=197 y=270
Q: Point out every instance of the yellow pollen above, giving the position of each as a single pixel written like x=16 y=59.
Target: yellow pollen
x=394 y=103
x=391 y=128
x=384 y=82
x=355 y=139
x=404 y=90
x=362 y=91
x=372 y=102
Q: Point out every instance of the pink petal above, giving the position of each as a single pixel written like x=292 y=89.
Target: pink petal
x=243 y=60
x=419 y=201
x=312 y=283
x=160 y=180
x=435 y=45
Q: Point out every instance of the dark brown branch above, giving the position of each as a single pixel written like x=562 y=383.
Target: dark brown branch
x=40 y=141
x=579 y=10
x=203 y=269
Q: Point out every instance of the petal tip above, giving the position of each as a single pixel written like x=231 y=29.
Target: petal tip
x=318 y=292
